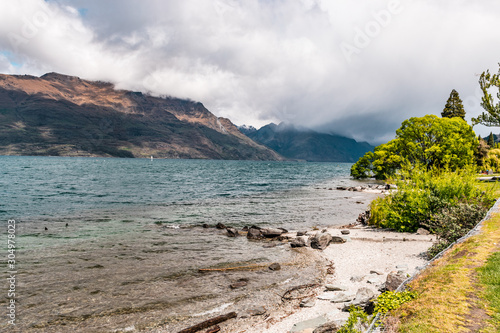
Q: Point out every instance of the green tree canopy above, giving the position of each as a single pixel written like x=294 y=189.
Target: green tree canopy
x=454 y=106
x=491 y=117
x=429 y=141
x=491 y=140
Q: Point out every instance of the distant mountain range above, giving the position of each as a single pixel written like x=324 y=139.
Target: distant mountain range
x=64 y=115
x=308 y=145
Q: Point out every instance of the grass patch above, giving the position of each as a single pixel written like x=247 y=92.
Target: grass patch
x=489 y=276
x=456 y=286
x=489 y=187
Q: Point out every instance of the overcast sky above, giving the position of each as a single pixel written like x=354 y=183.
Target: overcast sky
x=356 y=68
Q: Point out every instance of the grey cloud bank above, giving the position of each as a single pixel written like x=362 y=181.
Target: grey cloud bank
x=351 y=68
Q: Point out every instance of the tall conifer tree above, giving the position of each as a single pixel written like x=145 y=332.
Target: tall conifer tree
x=454 y=106
x=491 y=140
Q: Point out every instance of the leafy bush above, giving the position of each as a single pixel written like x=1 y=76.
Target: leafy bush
x=453 y=222
x=356 y=314
x=422 y=194
x=429 y=141
x=437 y=247
x=492 y=160
x=391 y=300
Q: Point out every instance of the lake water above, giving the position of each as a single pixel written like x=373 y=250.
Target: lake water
x=108 y=244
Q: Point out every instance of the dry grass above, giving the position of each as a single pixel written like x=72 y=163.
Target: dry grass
x=451 y=298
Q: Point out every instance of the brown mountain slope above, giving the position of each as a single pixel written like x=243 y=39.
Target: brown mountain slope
x=63 y=115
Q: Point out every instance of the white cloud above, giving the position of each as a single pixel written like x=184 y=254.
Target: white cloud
x=259 y=61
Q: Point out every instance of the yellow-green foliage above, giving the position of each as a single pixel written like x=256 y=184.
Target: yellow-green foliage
x=421 y=194
x=391 y=300
x=356 y=314
x=429 y=141
x=492 y=161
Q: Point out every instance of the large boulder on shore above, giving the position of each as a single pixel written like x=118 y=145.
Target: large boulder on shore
x=271 y=232
x=364 y=296
x=232 y=232
x=254 y=233
x=320 y=241
x=300 y=241
x=394 y=280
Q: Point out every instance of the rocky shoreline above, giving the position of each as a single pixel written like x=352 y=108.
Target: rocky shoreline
x=359 y=262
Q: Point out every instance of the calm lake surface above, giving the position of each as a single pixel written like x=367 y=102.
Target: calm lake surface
x=107 y=244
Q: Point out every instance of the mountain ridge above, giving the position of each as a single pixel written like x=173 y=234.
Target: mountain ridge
x=57 y=114
x=300 y=143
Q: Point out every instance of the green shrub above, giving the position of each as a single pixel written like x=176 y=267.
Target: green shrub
x=422 y=194
x=429 y=141
x=453 y=222
x=437 y=247
x=356 y=314
x=391 y=300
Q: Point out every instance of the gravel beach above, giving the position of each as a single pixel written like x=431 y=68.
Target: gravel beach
x=364 y=261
